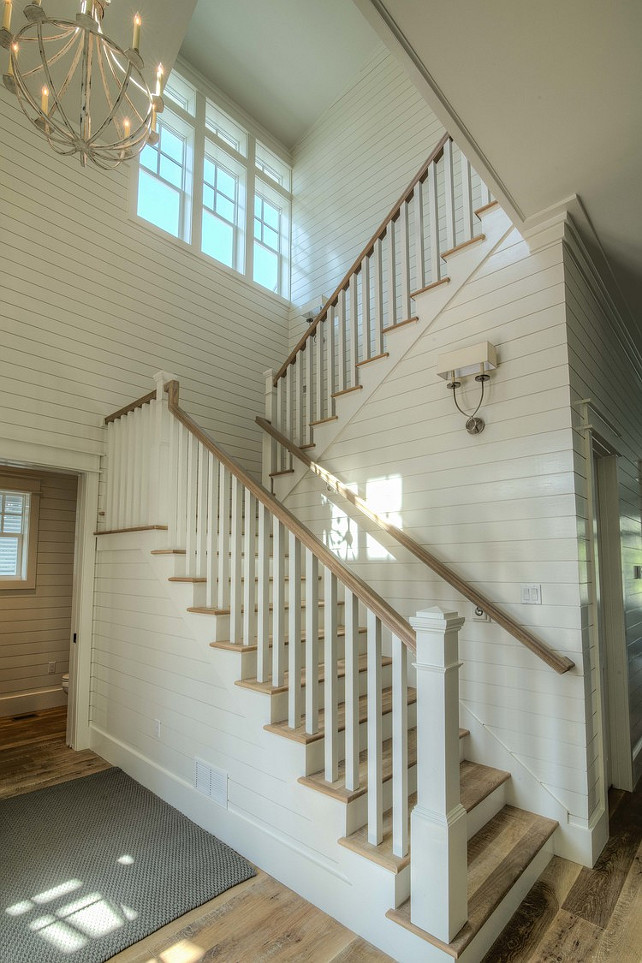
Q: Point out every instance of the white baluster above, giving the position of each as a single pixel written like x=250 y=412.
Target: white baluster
x=236 y=588
x=311 y=642
x=278 y=602
x=146 y=474
x=172 y=494
x=269 y=444
x=318 y=394
x=375 y=719
x=223 y=593
x=309 y=391
x=295 y=690
x=278 y=419
x=449 y=195
x=467 y=197
x=354 y=331
x=404 y=261
x=128 y=476
x=331 y=683
x=438 y=868
x=399 y=748
x=366 y=311
x=201 y=513
x=391 y=271
x=181 y=496
x=290 y=401
x=263 y=597
x=433 y=212
x=249 y=564
x=134 y=467
x=418 y=224
x=212 y=530
x=377 y=321
x=352 y=691
x=343 y=338
x=192 y=490
x=298 y=434
x=111 y=477
x=330 y=367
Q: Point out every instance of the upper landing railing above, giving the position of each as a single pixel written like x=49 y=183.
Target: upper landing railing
x=435 y=215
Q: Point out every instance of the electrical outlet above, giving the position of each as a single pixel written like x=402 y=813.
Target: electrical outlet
x=52 y=668
x=157 y=728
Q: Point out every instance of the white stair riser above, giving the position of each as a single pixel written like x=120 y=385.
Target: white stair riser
x=314 y=754
x=279 y=701
x=357 y=809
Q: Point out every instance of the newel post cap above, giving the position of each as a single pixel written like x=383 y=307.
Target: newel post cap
x=161 y=378
x=436 y=619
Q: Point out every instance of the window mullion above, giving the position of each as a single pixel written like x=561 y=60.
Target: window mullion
x=199 y=166
x=250 y=191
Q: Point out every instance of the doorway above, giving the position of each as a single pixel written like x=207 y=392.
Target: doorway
x=609 y=617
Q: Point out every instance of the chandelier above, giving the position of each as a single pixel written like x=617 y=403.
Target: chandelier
x=80 y=89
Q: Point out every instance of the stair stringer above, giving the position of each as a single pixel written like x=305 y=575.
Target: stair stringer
x=461 y=266
x=153 y=663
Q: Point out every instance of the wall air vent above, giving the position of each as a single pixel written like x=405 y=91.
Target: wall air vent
x=210 y=782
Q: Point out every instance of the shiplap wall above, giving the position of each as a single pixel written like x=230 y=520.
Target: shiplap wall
x=349 y=169
x=499 y=507
x=35 y=624
x=94 y=303
x=603 y=370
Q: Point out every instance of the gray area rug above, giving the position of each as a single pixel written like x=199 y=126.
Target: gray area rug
x=91 y=866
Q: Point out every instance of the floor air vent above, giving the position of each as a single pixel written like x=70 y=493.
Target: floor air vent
x=211 y=782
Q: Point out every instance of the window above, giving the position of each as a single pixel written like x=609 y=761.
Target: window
x=18 y=533
x=210 y=183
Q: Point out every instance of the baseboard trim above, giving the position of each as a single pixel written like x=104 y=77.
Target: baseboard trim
x=14 y=705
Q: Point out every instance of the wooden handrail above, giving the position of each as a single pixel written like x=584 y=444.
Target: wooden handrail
x=132 y=406
x=558 y=662
x=419 y=178
x=384 y=612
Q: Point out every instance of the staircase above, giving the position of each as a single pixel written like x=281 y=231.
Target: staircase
x=319 y=663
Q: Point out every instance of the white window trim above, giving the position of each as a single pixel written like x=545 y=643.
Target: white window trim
x=204 y=91
x=31 y=487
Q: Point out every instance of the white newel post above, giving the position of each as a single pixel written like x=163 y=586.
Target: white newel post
x=159 y=455
x=438 y=869
x=269 y=445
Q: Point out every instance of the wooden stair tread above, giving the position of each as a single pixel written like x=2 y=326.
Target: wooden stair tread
x=477 y=782
x=338 y=790
x=206 y=610
x=269 y=689
x=187 y=578
x=497 y=856
x=429 y=287
x=240 y=647
x=300 y=735
x=464 y=244
x=399 y=324
x=168 y=551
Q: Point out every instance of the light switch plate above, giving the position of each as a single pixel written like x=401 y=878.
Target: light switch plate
x=531 y=594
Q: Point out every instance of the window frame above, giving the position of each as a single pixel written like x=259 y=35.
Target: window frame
x=26 y=579
x=204 y=138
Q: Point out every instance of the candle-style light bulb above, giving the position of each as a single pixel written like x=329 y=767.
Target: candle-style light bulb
x=14 y=53
x=127 y=126
x=136 y=39
x=44 y=101
x=6 y=16
x=159 y=80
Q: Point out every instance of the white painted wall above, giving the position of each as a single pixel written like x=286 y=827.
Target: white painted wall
x=94 y=302
x=349 y=169
x=35 y=624
x=500 y=508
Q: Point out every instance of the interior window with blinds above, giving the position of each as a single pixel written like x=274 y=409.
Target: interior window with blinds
x=18 y=536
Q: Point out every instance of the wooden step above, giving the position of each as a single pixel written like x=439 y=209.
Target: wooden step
x=240 y=647
x=345 y=391
x=429 y=287
x=477 y=782
x=206 y=610
x=195 y=579
x=376 y=357
x=323 y=421
x=463 y=246
x=270 y=689
x=399 y=324
x=284 y=471
x=168 y=551
x=338 y=789
x=305 y=738
x=497 y=856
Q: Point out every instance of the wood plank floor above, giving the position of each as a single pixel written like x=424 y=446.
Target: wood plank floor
x=259 y=920
x=579 y=915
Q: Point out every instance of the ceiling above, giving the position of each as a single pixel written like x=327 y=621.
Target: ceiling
x=282 y=61
x=547 y=97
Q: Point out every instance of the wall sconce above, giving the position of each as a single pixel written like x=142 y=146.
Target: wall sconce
x=477 y=360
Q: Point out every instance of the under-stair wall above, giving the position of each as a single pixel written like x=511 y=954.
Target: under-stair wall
x=499 y=508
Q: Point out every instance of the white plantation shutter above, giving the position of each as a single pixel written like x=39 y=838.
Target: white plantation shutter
x=8 y=557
